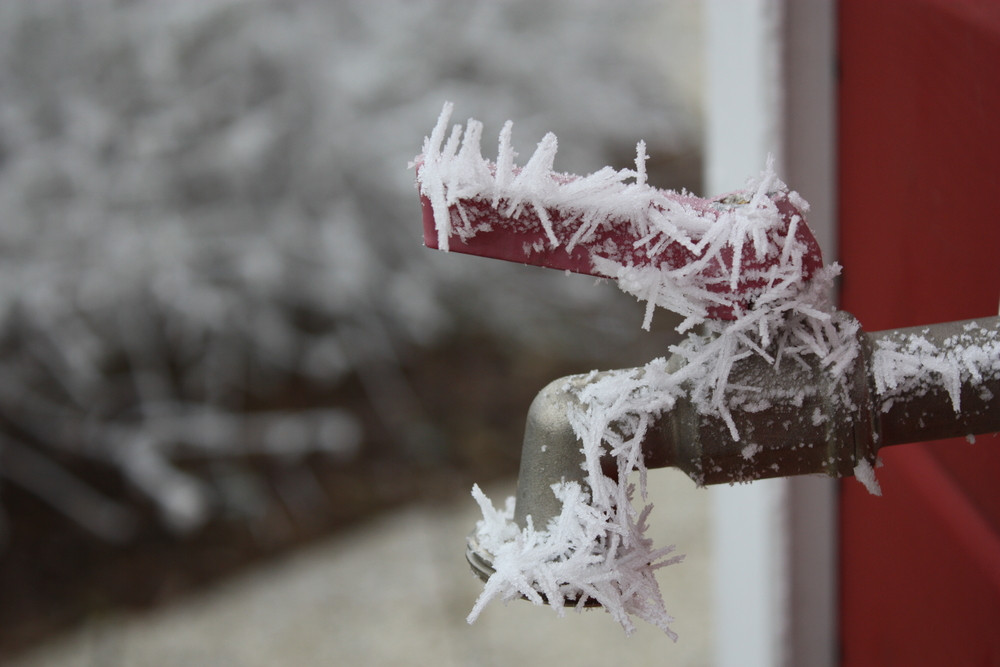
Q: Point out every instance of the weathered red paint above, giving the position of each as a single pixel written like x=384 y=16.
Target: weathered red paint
x=919 y=179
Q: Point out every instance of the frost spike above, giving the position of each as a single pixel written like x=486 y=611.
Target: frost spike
x=640 y=163
x=505 y=162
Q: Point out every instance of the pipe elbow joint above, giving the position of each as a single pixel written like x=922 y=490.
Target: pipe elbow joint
x=551 y=452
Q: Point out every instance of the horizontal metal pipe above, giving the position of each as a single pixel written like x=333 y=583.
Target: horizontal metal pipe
x=807 y=427
x=945 y=381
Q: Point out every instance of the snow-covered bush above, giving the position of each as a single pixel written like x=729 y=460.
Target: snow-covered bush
x=204 y=201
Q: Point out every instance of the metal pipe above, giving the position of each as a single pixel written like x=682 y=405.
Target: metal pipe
x=938 y=404
x=807 y=427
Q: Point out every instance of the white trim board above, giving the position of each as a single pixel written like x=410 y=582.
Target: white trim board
x=771 y=89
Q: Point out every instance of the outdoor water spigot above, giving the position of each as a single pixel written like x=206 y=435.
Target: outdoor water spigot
x=776 y=384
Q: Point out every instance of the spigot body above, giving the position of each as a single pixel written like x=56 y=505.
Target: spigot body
x=791 y=420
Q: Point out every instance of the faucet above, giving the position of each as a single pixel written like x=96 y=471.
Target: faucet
x=746 y=270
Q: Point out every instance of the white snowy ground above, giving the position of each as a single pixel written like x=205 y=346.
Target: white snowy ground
x=396 y=592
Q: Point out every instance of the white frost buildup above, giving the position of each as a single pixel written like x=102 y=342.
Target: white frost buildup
x=588 y=552
x=596 y=548
x=689 y=255
x=864 y=472
x=913 y=366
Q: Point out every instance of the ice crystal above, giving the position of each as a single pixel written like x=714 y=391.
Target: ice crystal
x=864 y=472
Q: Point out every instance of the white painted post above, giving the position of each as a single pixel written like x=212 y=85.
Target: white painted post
x=770 y=89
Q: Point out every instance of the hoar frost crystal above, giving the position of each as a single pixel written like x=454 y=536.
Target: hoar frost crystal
x=743 y=271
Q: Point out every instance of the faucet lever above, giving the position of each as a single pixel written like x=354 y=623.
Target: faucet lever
x=610 y=219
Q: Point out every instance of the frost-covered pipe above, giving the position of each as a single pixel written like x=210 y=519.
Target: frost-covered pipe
x=936 y=382
x=910 y=385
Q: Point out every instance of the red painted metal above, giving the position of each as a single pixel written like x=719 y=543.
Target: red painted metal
x=920 y=242
x=524 y=240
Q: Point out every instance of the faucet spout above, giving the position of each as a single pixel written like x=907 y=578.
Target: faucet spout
x=551 y=452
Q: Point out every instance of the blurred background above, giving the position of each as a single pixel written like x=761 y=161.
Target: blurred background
x=226 y=358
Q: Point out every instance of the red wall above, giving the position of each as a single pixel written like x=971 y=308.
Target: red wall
x=919 y=183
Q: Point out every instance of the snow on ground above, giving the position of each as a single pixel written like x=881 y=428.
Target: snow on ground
x=395 y=592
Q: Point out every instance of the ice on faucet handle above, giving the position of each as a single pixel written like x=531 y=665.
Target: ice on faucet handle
x=703 y=257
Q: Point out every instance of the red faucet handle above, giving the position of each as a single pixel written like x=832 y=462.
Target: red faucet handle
x=480 y=227
x=716 y=256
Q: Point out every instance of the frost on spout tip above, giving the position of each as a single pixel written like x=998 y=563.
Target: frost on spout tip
x=577 y=558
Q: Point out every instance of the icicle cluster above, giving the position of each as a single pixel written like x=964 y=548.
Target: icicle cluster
x=596 y=548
